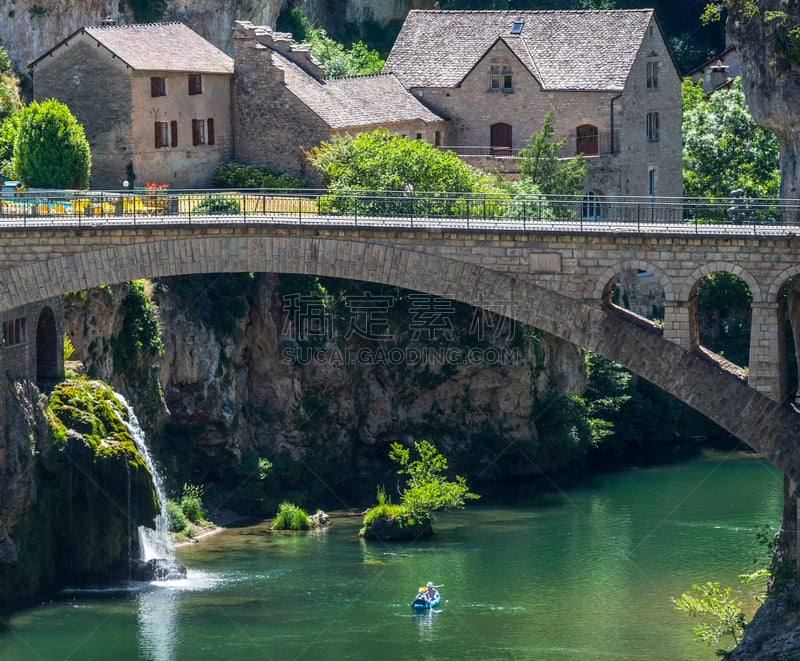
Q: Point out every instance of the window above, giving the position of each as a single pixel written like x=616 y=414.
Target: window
x=15 y=331
x=494 y=78
x=507 y=80
x=158 y=86
x=198 y=132
x=437 y=138
x=591 y=208
x=173 y=129
x=195 y=83
x=652 y=75
x=652 y=126
x=162 y=134
x=587 y=140
x=419 y=136
x=516 y=27
x=652 y=181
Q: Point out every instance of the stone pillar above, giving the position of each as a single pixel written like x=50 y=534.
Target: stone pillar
x=768 y=373
x=680 y=323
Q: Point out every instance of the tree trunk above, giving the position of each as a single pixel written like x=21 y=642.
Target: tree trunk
x=771 y=75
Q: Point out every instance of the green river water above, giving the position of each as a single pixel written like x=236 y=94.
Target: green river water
x=584 y=573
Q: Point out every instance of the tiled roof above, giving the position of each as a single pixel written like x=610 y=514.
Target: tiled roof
x=355 y=101
x=158 y=47
x=576 y=50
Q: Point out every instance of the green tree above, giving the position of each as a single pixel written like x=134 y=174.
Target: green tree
x=337 y=59
x=51 y=150
x=9 y=84
x=542 y=166
x=724 y=149
x=380 y=160
x=427 y=489
x=709 y=601
x=9 y=128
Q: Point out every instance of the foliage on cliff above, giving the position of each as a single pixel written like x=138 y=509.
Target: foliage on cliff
x=139 y=336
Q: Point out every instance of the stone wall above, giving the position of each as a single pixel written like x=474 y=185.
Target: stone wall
x=28 y=349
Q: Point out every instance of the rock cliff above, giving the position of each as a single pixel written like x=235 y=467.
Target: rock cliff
x=327 y=412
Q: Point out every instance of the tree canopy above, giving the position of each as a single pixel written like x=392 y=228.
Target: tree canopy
x=723 y=148
x=541 y=165
x=50 y=149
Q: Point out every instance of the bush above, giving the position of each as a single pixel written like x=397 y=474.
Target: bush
x=177 y=519
x=51 y=150
x=290 y=517
x=237 y=175
x=218 y=205
x=191 y=503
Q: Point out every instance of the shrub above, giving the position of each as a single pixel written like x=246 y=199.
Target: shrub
x=290 y=517
x=218 y=205
x=237 y=175
x=191 y=503
x=177 y=519
x=51 y=150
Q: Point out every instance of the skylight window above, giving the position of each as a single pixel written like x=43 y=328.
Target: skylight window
x=516 y=28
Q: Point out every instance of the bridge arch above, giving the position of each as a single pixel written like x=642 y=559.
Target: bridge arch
x=776 y=288
x=721 y=395
x=689 y=287
x=605 y=285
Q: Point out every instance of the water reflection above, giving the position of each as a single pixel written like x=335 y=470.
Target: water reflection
x=425 y=621
x=157 y=614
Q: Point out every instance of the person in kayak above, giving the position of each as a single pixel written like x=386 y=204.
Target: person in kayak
x=431 y=593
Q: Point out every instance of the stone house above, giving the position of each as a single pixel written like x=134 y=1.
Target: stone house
x=154 y=101
x=283 y=103
x=608 y=75
x=718 y=72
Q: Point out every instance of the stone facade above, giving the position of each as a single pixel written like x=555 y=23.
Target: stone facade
x=509 y=89
x=114 y=98
x=31 y=340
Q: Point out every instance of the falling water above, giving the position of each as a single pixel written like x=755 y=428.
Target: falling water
x=153 y=544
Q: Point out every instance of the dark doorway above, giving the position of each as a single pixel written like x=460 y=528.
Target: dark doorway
x=47 y=348
x=501 y=139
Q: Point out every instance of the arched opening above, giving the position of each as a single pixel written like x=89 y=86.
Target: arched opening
x=47 y=348
x=789 y=315
x=500 y=135
x=587 y=140
x=639 y=291
x=724 y=316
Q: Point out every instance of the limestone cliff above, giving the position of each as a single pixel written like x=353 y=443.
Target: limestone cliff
x=327 y=412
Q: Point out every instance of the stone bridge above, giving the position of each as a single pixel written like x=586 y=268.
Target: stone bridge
x=556 y=278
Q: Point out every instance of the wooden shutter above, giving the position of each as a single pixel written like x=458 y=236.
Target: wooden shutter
x=195 y=133
x=210 y=131
x=155 y=87
x=158 y=135
x=173 y=129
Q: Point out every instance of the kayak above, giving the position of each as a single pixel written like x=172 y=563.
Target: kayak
x=422 y=603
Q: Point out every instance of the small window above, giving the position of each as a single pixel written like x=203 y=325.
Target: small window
x=652 y=181
x=494 y=78
x=652 y=126
x=195 y=83
x=652 y=75
x=158 y=86
x=15 y=331
x=419 y=136
x=198 y=132
x=508 y=83
x=587 y=140
x=516 y=27
x=162 y=134
x=591 y=208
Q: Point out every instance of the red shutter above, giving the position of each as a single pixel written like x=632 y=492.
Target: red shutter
x=173 y=128
x=158 y=135
x=210 y=131
x=195 y=133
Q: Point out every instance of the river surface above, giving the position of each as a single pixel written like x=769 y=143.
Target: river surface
x=584 y=573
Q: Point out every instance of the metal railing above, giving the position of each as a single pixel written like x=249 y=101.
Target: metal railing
x=400 y=209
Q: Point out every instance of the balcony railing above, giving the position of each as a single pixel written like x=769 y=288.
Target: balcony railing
x=602 y=144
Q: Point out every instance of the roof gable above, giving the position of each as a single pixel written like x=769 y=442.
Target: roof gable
x=574 y=50
x=156 y=47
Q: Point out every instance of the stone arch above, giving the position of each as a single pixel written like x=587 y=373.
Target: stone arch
x=605 y=284
x=778 y=283
x=720 y=394
x=47 y=349
x=689 y=287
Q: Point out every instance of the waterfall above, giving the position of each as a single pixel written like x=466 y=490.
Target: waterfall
x=153 y=544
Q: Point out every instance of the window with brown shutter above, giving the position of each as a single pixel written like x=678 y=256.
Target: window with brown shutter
x=158 y=86
x=198 y=132
x=162 y=134
x=173 y=129
x=210 y=131
x=195 y=83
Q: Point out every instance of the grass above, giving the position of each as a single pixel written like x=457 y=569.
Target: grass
x=290 y=517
